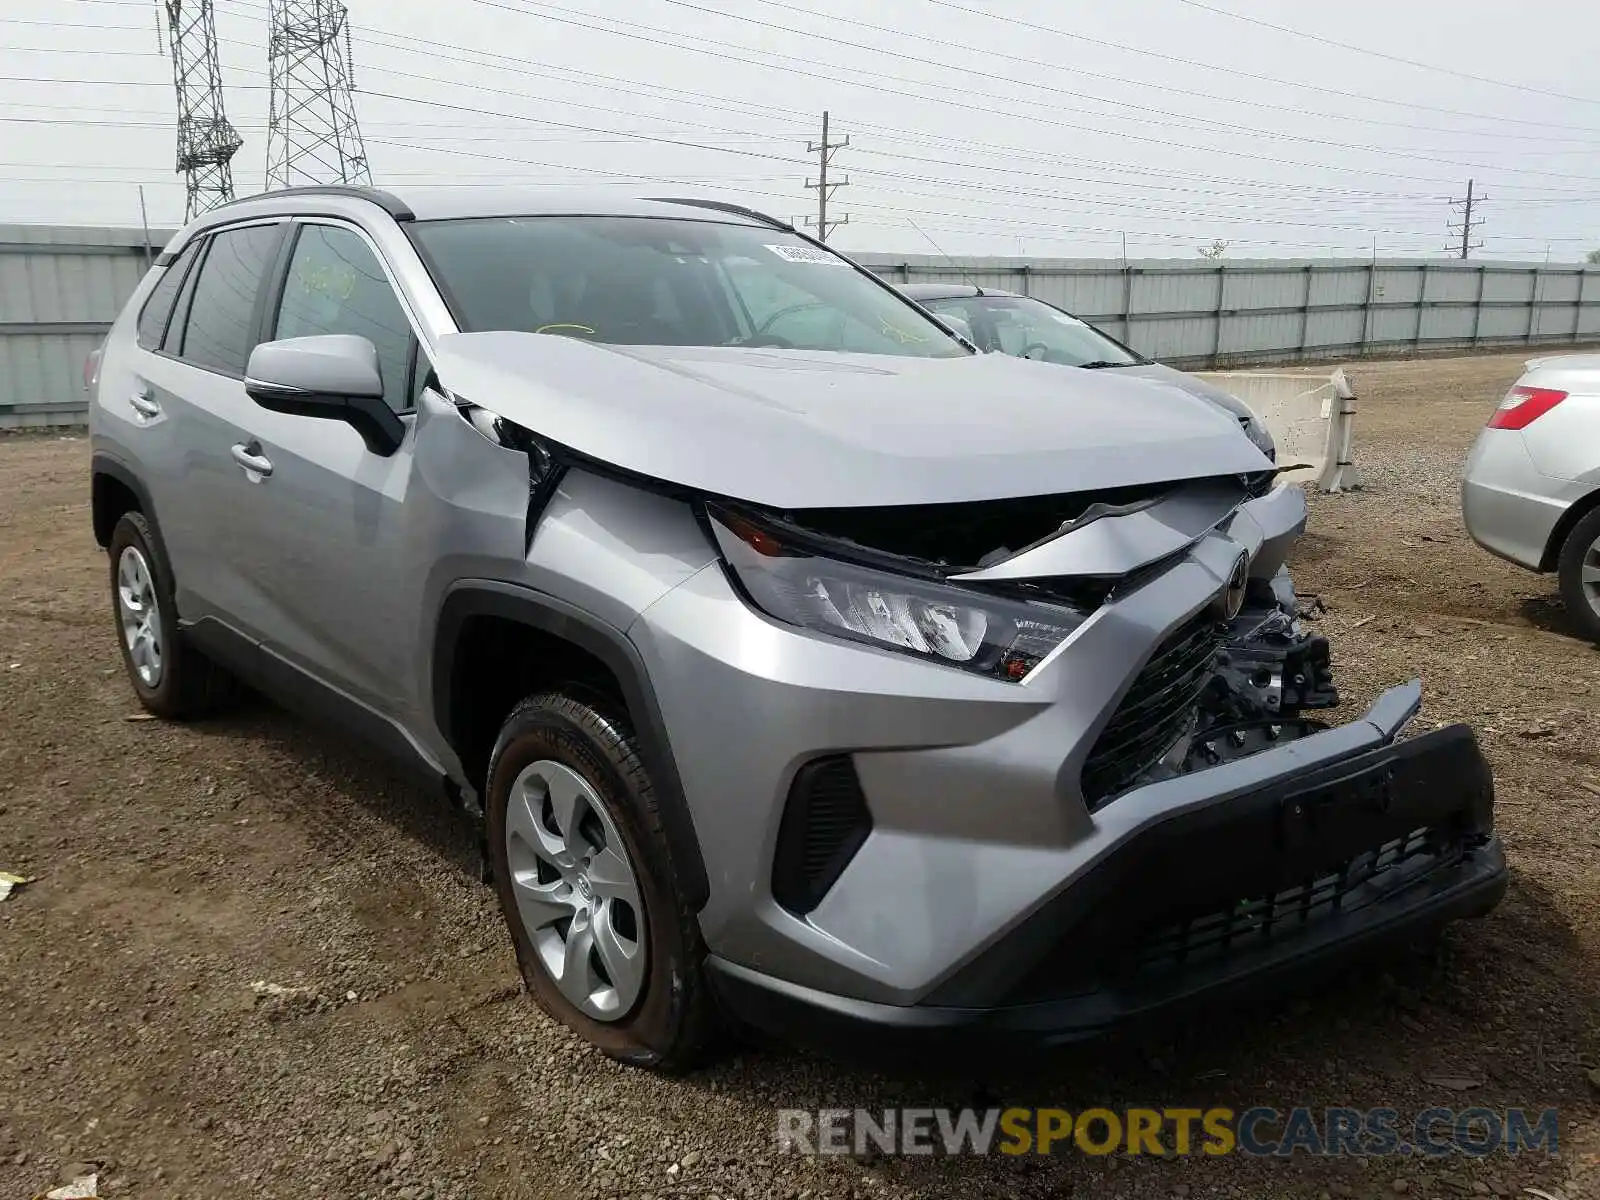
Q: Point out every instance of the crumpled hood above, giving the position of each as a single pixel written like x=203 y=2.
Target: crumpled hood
x=1191 y=384
x=799 y=429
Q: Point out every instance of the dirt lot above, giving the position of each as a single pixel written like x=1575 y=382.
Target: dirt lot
x=178 y=866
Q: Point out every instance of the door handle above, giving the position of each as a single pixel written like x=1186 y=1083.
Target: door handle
x=249 y=456
x=145 y=405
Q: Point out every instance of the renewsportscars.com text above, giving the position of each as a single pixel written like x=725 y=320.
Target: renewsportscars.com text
x=1265 y=1132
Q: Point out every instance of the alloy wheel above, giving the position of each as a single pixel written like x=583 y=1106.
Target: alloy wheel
x=140 y=615
x=576 y=890
x=1590 y=575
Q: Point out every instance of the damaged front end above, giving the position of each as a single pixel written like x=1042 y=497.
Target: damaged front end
x=1225 y=836
x=996 y=586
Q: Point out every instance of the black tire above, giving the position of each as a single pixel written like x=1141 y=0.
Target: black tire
x=190 y=685
x=673 y=1024
x=1580 y=608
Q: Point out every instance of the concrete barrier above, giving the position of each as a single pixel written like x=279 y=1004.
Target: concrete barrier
x=1310 y=417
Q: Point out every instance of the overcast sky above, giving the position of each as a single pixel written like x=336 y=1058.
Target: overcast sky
x=1044 y=127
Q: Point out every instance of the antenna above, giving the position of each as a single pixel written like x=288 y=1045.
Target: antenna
x=312 y=133
x=206 y=141
x=965 y=278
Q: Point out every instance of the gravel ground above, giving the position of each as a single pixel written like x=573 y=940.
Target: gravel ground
x=181 y=870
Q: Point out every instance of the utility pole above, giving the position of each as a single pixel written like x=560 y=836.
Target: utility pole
x=312 y=133
x=206 y=141
x=822 y=185
x=1467 y=223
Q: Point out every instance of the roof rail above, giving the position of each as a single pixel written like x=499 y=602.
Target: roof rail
x=390 y=203
x=722 y=206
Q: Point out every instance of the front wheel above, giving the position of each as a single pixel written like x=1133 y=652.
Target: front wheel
x=1579 y=575
x=585 y=881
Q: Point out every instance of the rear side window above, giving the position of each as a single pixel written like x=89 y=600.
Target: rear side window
x=158 y=308
x=221 y=327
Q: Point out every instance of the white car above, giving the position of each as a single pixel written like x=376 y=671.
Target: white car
x=1531 y=492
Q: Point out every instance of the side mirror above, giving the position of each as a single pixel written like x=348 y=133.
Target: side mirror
x=334 y=376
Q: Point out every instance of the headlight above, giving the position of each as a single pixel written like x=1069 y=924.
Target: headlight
x=1257 y=431
x=939 y=622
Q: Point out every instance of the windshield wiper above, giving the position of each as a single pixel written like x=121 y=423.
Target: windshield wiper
x=1101 y=363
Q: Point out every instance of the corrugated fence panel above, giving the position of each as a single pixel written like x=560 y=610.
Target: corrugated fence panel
x=1510 y=322
x=1264 y=311
x=60 y=289
x=1335 y=329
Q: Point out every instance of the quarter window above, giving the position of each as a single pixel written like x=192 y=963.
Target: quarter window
x=221 y=329
x=157 y=309
x=337 y=285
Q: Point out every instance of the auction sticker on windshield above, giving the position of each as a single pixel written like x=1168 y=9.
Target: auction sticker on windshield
x=808 y=254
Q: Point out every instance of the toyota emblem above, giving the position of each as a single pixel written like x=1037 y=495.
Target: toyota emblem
x=1232 y=598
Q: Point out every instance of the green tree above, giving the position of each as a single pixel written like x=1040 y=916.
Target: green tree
x=1594 y=256
x=1214 y=251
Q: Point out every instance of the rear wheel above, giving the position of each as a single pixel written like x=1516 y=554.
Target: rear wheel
x=604 y=940
x=170 y=677
x=1579 y=574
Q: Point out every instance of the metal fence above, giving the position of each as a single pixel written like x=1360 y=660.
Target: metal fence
x=60 y=289
x=1208 y=314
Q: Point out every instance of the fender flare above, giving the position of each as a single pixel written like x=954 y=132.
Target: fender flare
x=537 y=610
x=114 y=468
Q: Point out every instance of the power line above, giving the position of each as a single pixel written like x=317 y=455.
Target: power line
x=825 y=188
x=746 y=104
x=958 y=145
x=651 y=34
x=1151 y=84
x=1165 y=114
x=1394 y=58
x=1145 y=52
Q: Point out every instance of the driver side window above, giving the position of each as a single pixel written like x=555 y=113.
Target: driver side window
x=337 y=285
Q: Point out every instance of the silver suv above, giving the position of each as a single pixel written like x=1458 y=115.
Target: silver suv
x=807 y=669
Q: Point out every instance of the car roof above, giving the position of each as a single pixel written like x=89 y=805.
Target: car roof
x=948 y=291
x=438 y=204
x=458 y=201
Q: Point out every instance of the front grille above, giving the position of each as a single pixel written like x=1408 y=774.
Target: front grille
x=824 y=824
x=1361 y=880
x=1155 y=713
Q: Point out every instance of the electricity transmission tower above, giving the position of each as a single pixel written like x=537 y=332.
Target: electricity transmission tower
x=823 y=186
x=206 y=142
x=1466 y=243
x=312 y=134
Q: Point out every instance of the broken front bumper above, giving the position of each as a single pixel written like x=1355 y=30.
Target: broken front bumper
x=1267 y=877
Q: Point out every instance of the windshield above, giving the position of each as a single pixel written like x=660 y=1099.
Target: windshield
x=1032 y=329
x=646 y=281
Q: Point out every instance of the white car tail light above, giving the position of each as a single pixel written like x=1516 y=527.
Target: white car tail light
x=1524 y=405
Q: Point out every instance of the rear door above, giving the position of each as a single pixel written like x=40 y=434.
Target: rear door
x=191 y=384
x=129 y=424
x=321 y=542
